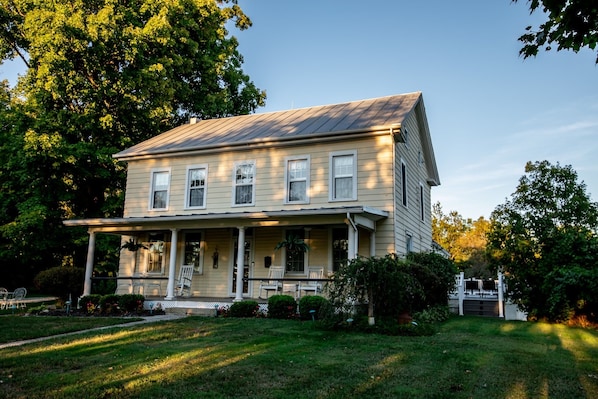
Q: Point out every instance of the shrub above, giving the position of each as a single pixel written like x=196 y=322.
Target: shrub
x=435 y=314
x=131 y=302
x=243 y=309
x=282 y=307
x=109 y=304
x=60 y=281
x=311 y=302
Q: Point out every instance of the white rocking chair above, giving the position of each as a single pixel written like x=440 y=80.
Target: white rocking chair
x=315 y=274
x=183 y=283
x=274 y=283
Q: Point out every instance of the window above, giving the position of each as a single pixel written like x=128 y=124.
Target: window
x=422 y=213
x=192 y=255
x=155 y=253
x=295 y=261
x=340 y=247
x=404 y=183
x=297 y=180
x=159 y=190
x=408 y=243
x=343 y=176
x=243 y=183
x=196 y=186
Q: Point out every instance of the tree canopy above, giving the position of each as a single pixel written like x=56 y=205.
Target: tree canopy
x=570 y=25
x=100 y=76
x=544 y=239
x=464 y=239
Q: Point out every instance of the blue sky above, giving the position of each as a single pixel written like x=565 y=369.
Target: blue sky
x=489 y=110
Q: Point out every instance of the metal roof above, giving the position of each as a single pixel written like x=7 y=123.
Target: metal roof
x=296 y=124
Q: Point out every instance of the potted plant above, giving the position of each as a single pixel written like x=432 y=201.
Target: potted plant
x=295 y=247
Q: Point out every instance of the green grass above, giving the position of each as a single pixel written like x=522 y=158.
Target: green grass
x=18 y=328
x=199 y=357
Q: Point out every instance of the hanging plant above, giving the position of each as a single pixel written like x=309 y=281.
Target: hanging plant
x=293 y=244
x=132 y=245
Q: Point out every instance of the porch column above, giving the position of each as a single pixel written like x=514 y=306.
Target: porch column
x=172 y=265
x=373 y=243
x=91 y=247
x=501 y=299
x=240 y=265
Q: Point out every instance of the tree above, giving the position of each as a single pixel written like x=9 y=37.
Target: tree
x=570 y=24
x=544 y=239
x=464 y=239
x=102 y=75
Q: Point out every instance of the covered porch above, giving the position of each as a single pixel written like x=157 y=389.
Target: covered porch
x=157 y=249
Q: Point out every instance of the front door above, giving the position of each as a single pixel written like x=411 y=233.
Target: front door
x=247 y=272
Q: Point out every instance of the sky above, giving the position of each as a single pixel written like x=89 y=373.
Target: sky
x=489 y=110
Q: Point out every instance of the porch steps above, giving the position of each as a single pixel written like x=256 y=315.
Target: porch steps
x=209 y=312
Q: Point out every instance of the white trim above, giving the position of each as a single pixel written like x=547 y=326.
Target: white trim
x=153 y=172
x=332 y=176
x=188 y=188
x=287 y=181
x=252 y=184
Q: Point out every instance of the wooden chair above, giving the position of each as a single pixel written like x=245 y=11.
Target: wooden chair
x=183 y=283
x=274 y=281
x=314 y=274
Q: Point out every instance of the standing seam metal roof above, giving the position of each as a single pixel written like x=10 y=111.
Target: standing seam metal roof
x=282 y=125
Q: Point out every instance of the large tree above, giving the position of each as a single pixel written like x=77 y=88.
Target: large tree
x=570 y=25
x=544 y=238
x=102 y=75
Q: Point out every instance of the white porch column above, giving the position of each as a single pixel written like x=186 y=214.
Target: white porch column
x=240 y=265
x=172 y=265
x=461 y=292
x=501 y=299
x=373 y=243
x=91 y=247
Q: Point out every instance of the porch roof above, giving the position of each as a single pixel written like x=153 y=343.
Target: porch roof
x=230 y=219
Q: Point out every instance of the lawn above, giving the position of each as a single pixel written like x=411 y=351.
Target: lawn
x=199 y=357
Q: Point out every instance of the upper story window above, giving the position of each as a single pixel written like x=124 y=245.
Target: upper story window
x=422 y=208
x=343 y=176
x=297 y=180
x=196 y=186
x=160 y=189
x=403 y=183
x=243 y=183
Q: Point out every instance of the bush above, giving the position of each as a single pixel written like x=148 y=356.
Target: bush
x=312 y=302
x=282 y=307
x=435 y=314
x=109 y=304
x=60 y=281
x=89 y=303
x=243 y=309
x=131 y=302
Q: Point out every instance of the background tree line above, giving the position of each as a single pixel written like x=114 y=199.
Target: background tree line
x=544 y=238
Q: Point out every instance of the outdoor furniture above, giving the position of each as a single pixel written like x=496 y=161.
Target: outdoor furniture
x=4 y=297
x=290 y=288
x=273 y=283
x=154 y=285
x=472 y=285
x=18 y=298
x=314 y=283
x=183 y=283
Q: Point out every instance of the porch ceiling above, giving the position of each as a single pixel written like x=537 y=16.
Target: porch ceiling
x=229 y=219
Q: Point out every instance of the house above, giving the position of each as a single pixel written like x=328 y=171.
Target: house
x=218 y=195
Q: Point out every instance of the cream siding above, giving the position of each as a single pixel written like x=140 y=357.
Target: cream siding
x=408 y=220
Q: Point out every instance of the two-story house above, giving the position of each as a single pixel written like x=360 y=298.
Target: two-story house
x=349 y=179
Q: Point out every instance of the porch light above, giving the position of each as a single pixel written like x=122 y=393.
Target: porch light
x=215 y=258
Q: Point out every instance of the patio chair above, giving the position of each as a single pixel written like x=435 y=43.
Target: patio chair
x=183 y=283
x=274 y=281
x=314 y=274
x=4 y=294
x=18 y=298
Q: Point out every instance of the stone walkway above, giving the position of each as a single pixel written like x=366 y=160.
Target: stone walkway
x=149 y=319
